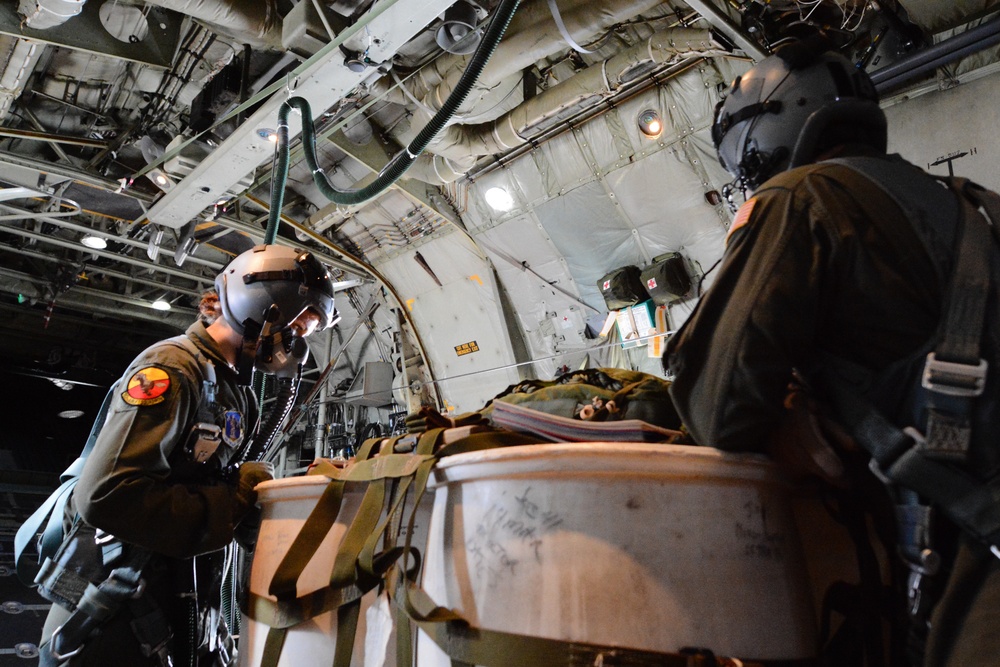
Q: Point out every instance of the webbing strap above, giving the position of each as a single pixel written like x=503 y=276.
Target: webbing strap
x=970 y=284
x=906 y=458
x=290 y=613
x=465 y=644
x=273 y=644
x=51 y=514
x=97 y=603
x=305 y=544
x=347 y=628
x=343 y=592
x=971 y=503
x=358 y=565
x=51 y=511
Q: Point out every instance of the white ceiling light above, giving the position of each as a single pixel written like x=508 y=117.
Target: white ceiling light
x=95 y=242
x=70 y=414
x=161 y=304
x=499 y=199
x=650 y=123
x=160 y=179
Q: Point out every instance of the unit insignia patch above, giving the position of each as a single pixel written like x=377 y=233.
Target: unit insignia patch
x=147 y=387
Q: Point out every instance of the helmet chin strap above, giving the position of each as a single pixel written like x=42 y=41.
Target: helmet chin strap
x=248 y=352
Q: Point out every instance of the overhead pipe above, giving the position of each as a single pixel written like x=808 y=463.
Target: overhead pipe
x=943 y=53
x=255 y=22
x=459 y=146
x=47 y=14
x=19 y=65
x=532 y=35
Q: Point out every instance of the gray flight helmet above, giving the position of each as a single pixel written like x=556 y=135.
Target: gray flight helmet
x=778 y=115
x=288 y=279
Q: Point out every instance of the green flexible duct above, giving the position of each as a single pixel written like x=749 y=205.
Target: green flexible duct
x=402 y=161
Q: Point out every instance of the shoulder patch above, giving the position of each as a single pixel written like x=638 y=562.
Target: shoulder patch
x=742 y=216
x=147 y=386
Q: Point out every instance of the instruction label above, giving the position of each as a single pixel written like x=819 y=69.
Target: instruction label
x=466 y=348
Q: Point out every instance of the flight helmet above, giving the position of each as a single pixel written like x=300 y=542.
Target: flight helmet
x=272 y=285
x=782 y=113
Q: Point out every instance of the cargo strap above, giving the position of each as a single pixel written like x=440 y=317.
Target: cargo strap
x=359 y=565
x=467 y=645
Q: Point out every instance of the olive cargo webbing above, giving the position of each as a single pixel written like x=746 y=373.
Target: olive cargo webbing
x=358 y=565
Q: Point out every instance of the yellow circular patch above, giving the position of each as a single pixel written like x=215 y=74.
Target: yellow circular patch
x=147 y=386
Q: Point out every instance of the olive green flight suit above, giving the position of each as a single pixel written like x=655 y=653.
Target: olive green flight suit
x=142 y=485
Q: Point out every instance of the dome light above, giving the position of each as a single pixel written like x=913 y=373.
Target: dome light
x=93 y=241
x=161 y=304
x=70 y=414
x=499 y=199
x=650 y=123
x=269 y=134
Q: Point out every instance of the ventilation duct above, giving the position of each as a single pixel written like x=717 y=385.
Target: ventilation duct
x=459 y=146
x=20 y=64
x=45 y=14
x=255 y=22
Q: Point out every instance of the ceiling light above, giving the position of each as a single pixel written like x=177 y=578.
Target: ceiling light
x=269 y=134
x=161 y=304
x=499 y=199
x=95 y=242
x=650 y=123
x=160 y=179
x=70 y=414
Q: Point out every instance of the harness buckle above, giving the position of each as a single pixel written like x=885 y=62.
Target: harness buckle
x=953 y=378
x=61 y=657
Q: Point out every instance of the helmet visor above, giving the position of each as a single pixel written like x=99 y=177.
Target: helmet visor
x=318 y=288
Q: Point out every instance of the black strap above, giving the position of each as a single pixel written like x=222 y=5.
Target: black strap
x=95 y=604
x=905 y=457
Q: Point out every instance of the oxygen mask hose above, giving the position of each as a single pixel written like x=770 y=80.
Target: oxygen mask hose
x=402 y=161
x=287 y=390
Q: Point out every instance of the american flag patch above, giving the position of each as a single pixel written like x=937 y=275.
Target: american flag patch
x=742 y=216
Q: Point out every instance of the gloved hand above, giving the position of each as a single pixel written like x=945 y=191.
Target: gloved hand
x=249 y=476
x=807 y=444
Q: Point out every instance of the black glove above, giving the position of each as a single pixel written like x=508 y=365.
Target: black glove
x=249 y=476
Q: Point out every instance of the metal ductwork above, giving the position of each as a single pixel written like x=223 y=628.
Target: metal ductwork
x=255 y=22
x=45 y=14
x=459 y=146
x=24 y=54
x=532 y=35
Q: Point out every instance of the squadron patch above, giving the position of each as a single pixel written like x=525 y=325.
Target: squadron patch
x=232 y=434
x=742 y=217
x=147 y=386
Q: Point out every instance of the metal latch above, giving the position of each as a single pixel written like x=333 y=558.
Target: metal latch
x=954 y=379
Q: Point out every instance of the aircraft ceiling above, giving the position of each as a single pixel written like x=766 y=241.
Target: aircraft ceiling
x=152 y=133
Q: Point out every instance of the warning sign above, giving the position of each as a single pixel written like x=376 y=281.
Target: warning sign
x=466 y=348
